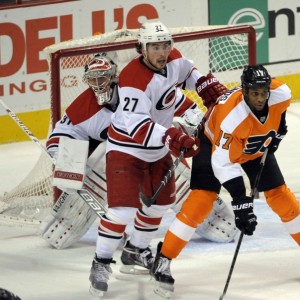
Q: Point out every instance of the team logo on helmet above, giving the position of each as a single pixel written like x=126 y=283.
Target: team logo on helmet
x=99 y=64
x=255 y=76
x=154 y=32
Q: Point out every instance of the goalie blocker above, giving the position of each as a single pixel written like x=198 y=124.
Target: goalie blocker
x=71 y=217
x=70 y=167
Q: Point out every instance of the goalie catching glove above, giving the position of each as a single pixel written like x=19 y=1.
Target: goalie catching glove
x=245 y=219
x=176 y=141
x=189 y=122
x=210 y=89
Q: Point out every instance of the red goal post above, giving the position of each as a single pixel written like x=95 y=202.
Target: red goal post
x=222 y=50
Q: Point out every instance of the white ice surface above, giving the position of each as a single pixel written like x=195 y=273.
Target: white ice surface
x=267 y=267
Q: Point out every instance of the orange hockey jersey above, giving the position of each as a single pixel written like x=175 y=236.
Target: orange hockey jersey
x=237 y=134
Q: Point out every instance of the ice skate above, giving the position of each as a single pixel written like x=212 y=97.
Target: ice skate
x=100 y=272
x=136 y=260
x=160 y=271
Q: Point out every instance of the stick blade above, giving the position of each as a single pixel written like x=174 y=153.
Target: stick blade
x=145 y=200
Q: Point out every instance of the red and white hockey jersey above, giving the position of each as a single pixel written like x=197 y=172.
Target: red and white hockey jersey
x=236 y=133
x=84 y=120
x=148 y=102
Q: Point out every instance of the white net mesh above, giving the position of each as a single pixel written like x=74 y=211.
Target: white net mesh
x=28 y=202
x=222 y=50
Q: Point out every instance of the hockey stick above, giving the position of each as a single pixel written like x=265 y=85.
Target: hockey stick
x=254 y=192
x=148 y=201
x=25 y=129
x=84 y=193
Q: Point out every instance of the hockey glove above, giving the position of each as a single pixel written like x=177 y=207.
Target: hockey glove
x=189 y=121
x=275 y=142
x=210 y=89
x=245 y=219
x=176 y=141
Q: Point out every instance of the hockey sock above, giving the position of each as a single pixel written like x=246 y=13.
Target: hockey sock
x=193 y=211
x=284 y=203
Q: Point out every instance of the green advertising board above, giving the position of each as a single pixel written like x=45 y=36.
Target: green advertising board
x=240 y=12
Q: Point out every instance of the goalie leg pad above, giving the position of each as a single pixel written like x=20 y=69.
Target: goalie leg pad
x=219 y=226
x=182 y=181
x=71 y=217
x=70 y=165
x=68 y=222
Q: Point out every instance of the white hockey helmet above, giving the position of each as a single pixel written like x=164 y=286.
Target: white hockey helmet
x=100 y=75
x=153 y=32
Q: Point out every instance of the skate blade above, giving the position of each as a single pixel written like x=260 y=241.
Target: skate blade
x=164 y=290
x=133 y=277
x=96 y=293
x=134 y=270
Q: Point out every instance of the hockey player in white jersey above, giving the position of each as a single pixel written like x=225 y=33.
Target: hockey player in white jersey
x=140 y=141
x=71 y=217
x=86 y=119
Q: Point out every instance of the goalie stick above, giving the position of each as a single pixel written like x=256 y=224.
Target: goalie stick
x=85 y=194
x=254 y=192
x=148 y=201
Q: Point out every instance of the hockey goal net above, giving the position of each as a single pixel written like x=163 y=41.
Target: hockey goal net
x=222 y=50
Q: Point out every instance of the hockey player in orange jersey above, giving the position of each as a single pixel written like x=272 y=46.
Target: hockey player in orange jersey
x=243 y=124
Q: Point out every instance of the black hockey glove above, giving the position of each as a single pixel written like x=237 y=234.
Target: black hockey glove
x=245 y=219
x=275 y=142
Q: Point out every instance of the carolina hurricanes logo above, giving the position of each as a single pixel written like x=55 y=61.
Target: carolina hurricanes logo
x=167 y=99
x=99 y=64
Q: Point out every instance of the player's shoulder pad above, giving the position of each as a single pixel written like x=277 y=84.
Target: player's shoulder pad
x=174 y=54
x=83 y=107
x=135 y=75
x=222 y=99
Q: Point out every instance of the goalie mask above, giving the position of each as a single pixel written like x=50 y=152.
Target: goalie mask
x=100 y=75
x=153 y=32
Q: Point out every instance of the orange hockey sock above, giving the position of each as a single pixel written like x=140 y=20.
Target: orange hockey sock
x=284 y=203
x=194 y=210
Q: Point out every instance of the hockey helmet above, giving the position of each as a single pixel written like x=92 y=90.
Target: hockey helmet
x=153 y=32
x=100 y=75
x=255 y=76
